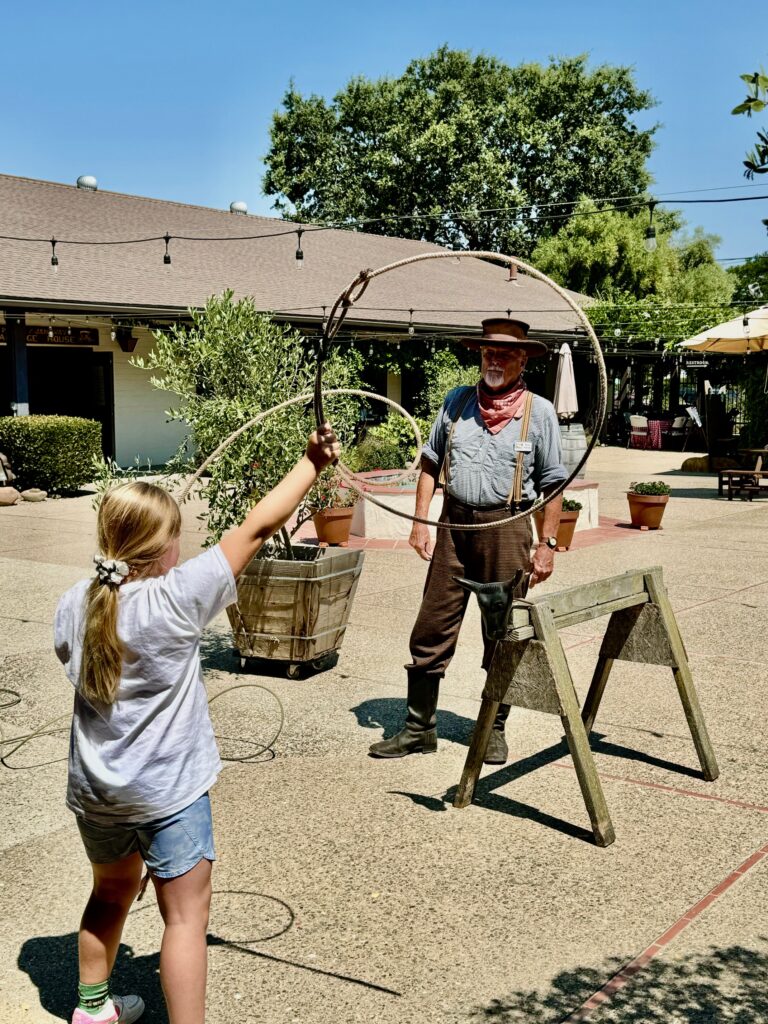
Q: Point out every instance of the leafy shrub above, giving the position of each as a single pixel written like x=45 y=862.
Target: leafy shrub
x=390 y=445
x=442 y=373
x=652 y=487
x=329 y=492
x=569 y=505
x=52 y=452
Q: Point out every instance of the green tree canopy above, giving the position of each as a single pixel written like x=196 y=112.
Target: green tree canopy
x=752 y=272
x=756 y=100
x=461 y=133
x=601 y=252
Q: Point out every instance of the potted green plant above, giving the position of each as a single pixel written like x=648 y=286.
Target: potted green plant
x=647 y=501
x=567 y=525
x=227 y=364
x=331 y=504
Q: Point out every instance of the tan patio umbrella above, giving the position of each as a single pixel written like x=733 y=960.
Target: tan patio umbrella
x=565 y=402
x=746 y=333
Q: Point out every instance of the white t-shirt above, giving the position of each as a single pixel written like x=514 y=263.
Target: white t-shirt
x=152 y=752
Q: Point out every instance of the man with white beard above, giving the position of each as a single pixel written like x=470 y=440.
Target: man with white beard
x=494 y=447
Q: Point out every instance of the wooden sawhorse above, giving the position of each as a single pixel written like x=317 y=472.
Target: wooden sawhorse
x=530 y=670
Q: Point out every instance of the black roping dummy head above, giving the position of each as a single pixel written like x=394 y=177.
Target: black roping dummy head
x=496 y=601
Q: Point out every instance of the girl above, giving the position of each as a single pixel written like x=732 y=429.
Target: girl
x=142 y=752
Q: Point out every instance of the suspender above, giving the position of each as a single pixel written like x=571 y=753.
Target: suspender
x=516 y=492
x=443 y=478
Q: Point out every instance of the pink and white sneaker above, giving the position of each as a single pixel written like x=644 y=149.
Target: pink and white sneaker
x=118 y=1010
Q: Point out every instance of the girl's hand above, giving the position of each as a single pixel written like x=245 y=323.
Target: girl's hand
x=323 y=447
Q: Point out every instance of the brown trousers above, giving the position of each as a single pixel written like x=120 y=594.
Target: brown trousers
x=485 y=556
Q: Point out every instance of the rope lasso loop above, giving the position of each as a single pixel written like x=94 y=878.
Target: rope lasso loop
x=336 y=318
x=303 y=399
x=366 y=276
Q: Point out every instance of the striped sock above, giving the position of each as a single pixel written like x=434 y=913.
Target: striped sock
x=93 y=997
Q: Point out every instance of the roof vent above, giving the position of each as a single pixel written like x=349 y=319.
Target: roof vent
x=238 y=207
x=88 y=182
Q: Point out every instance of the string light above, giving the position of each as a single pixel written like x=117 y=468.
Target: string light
x=167 y=256
x=299 y=250
x=411 y=328
x=54 y=257
x=50 y=329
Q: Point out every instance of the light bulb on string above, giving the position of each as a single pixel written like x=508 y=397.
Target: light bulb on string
x=167 y=256
x=299 y=250
x=50 y=329
x=54 y=257
x=411 y=328
x=113 y=334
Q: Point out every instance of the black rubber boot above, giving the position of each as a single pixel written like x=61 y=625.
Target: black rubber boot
x=420 y=734
x=497 y=751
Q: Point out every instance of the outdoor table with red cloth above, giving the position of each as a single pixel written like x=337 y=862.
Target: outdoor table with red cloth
x=656 y=431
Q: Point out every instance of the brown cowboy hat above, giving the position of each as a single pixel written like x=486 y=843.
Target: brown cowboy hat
x=502 y=331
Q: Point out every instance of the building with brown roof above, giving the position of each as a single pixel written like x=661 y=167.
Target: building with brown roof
x=76 y=310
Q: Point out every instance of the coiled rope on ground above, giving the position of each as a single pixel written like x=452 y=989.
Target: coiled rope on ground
x=50 y=728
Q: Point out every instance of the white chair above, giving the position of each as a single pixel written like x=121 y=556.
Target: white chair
x=638 y=432
x=677 y=429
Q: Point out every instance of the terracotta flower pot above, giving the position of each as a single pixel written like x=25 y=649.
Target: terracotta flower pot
x=646 y=510
x=565 y=529
x=332 y=525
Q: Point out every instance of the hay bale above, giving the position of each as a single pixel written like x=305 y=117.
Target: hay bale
x=701 y=464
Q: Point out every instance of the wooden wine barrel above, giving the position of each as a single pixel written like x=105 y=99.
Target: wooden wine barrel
x=574 y=444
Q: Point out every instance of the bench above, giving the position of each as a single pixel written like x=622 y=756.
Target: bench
x=740 y=482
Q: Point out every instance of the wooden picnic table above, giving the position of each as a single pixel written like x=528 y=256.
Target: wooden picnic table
x=731 y=477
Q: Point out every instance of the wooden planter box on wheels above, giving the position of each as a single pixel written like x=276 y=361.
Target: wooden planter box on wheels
x=296 y=611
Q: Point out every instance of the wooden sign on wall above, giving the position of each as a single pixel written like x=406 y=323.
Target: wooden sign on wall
x=42 y=335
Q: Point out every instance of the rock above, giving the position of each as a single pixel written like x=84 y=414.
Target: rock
x=9 y=496
x=34 y=494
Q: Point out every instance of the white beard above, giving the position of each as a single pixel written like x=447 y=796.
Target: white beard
x=493 y=378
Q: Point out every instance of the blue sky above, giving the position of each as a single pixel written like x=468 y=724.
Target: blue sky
x=174 y=100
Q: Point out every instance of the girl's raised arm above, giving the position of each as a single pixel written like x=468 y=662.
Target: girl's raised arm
x=275 y=509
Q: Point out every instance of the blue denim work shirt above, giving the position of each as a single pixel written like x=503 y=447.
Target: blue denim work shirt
x=482 y=464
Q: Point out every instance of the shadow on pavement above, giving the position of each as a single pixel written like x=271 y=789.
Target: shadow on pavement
x=388 y=713
x=51 y=963
x=723 y=986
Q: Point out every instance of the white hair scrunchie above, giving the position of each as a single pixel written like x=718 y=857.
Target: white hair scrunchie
x=110 y=570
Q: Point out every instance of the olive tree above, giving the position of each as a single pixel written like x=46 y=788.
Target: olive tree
x=228 y=364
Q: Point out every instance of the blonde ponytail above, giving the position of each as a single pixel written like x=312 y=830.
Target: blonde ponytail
x=136 y=524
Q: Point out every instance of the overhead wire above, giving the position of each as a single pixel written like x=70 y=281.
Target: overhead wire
x=306 y=227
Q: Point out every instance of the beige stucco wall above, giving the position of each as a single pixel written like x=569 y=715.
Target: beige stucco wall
x=140 y=421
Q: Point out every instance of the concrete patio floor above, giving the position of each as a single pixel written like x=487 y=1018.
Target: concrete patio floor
x=349 y=889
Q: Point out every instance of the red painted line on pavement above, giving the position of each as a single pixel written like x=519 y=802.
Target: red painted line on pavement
x=627 y=972
x=675 y=790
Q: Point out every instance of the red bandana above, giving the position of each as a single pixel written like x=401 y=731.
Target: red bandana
x=497 y=409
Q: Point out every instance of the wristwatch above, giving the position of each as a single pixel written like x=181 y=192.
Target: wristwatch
x=551 y=542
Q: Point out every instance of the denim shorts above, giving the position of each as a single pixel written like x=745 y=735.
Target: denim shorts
x=169 y=846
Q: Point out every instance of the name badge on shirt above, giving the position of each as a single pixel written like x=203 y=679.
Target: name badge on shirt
x=523 y=446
